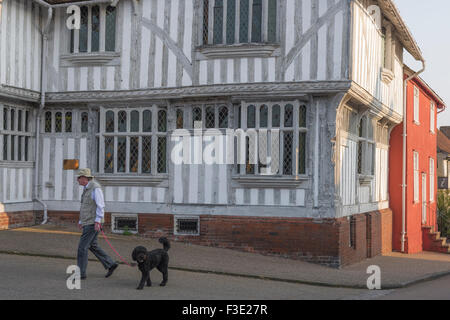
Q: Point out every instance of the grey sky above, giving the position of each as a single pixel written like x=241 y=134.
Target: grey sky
x=429 y=22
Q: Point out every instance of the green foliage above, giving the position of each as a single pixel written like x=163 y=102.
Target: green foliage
x=443 y=212
x=126 y=231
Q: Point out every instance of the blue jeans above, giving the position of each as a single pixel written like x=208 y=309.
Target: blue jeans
x=88 y=241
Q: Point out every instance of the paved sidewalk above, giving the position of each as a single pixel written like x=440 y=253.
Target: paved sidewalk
x=397 y=270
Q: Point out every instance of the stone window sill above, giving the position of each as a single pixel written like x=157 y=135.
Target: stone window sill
x=247 y=50
x=117 y=180
x=275 y=182
x=90 y=59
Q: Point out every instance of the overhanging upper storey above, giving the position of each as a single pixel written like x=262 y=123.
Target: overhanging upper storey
x=379 y=38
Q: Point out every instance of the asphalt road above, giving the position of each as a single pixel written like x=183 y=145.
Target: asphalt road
x=26 y=277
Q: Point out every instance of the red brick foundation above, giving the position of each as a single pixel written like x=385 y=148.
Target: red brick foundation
x=322 y=241
x=11 y=220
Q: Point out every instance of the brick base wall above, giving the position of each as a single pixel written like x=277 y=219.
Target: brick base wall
x=322 y=241
x=11 y=220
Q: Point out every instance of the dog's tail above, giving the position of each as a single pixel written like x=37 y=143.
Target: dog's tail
x=165 y=243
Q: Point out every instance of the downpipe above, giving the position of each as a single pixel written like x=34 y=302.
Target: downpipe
x=405 y=135
x=44 y=33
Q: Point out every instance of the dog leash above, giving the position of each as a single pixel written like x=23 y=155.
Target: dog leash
x=111 y=246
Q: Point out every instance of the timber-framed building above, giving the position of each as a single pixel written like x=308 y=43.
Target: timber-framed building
x=326 y=74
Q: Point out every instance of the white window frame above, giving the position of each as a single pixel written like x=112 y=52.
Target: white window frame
x=432 y=180
x=432 y=117
x=416 y=177
x=368 y=149
x=264 y=23
x=14 y=136
x=102 y=32
x=416 y=105
x=295 y=129
x=155 y=134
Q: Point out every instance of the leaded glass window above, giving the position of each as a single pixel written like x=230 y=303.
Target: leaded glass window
x=263 y=116
x=14 y=137
x=251 y=116
x=288 y=115
x=244 y=21
x=48 y=122
x=13 y=124
x=5 y=118
x=27 y=121
x=223 y=117
x=276 y=116
x=109 y=155
x=280 y=141
x=5 y=147
x=109 y=121
x=95 y=29
x=218 y=21
x=68 y=122
x=84 y=122
x=257 y=21
x=122 y=121
x=162 y=121
x=134 y=154
x=91 y=34
x=366 y=147
x=83 y=33
x=180 y=119
x=147 y=121
x=19 y=120
x=272 y=24
x=146 y=154
x=110 y=32
x=196 y=115
x=210 y=117
x=231 y=21
x=134 y=121
x=132 y=142
x=226 y=26
x=121 y=154
x=162 y=158
x=58 y=122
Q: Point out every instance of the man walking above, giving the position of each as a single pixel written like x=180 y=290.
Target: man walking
x=91 y=219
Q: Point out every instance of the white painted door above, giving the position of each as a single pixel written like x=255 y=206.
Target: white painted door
x=424 y=198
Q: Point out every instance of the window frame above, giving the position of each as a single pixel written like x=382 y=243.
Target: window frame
x=416 y=167
x=432 y=117
x=53 y=128
x=241 y=170
x=432 y=179
x=416 y=101
x=21 y=150
x=155 y=136
x=212 y=26
x=366 y=148
x=74 y=37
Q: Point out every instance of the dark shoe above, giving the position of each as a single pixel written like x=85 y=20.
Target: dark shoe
x=111 y=270
x=83 y=277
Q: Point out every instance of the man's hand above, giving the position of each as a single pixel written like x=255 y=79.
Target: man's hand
x=98 y=226
x=80 y=226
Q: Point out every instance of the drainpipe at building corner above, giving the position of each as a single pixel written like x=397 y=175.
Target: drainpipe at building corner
x=44 y=33
x=405 y=133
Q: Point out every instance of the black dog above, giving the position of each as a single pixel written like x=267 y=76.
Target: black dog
x=154 y=259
